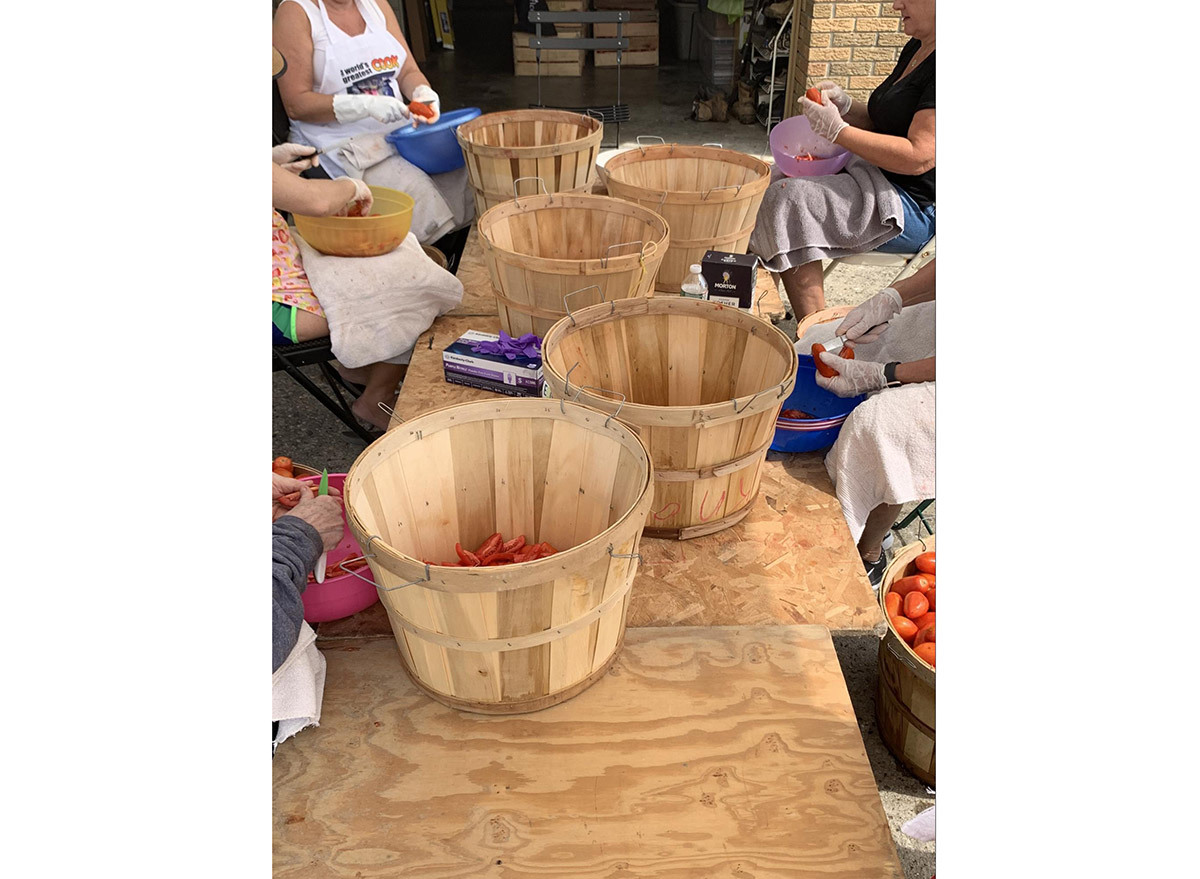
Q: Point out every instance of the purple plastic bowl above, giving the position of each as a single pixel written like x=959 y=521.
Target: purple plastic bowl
x=793 y=136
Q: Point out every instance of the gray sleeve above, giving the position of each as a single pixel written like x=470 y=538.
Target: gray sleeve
x=295 y=548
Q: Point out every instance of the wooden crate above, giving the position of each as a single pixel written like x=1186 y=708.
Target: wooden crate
x=570 y=30
x=555 y=62
x=641 y=31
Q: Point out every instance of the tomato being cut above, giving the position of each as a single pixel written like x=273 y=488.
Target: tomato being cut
x=815 y=96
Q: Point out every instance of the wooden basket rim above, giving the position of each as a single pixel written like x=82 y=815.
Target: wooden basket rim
x=557 y=200
x=675 y=416
x=687 y=196
x=899 y=562
x=593 y=137
x=456 y=580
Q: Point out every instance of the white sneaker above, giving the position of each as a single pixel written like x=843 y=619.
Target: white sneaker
x=888 y=540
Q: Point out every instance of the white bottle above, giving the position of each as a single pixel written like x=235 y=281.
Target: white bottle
x=694 y=285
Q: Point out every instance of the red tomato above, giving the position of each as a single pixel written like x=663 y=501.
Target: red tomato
x=905 y=628
x=822 y=367
x=927 y=652
x=925 y=619
x=929 y=595
x=892 y=603
x=815 y=96
x=917 y=582
x=915 y=605
x=925 y=633
x=925 y=562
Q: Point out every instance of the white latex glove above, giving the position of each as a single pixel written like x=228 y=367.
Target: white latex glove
x=354 y=108
x=854 y=376
x=831 y=91
x=294 y=157
x=362 y=197
x=426 y=95
x=873 y=315
x=825 y=119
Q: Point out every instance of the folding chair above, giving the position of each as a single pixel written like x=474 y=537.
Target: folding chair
x=906 y=264
x=290 y=358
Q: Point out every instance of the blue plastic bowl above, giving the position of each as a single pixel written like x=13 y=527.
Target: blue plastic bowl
x=808 y=396
x=434 y=148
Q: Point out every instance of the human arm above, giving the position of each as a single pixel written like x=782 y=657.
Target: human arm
x=910 y=155
x=412 y=81
x=295 y=548
x=316 y=198
x=861 y=376
x=292 y=36
x=868 y=321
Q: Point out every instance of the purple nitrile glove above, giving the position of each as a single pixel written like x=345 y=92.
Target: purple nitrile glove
x=527 y=345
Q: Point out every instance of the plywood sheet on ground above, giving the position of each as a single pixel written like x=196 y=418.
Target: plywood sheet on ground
x=703 y=752
x=791 y=560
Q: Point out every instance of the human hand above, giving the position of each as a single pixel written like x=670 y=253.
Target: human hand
x=323 y=513
x=825 y=119
x=286 y=494
x=360 y=204
x=833 y=92
x=867 y=322
x=354 y=108
x=294 y=157
x=425 y=95
x=854 y=376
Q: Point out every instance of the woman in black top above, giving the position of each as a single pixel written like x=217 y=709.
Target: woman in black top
x=894 y=132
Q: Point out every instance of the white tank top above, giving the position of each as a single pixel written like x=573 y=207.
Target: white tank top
x=368 y=64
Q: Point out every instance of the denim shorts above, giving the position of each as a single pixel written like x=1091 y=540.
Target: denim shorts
x=919 y=227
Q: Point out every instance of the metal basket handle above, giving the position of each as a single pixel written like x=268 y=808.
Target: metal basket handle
x=721 y=145
x=620 y=405
x=567 y=305
x=608 y=251
x=737 y=186
x=516 y=197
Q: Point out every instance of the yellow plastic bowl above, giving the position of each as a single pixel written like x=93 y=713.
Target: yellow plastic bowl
x=382 y=232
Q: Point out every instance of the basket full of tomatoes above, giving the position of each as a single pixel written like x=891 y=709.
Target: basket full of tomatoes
x=905 y=703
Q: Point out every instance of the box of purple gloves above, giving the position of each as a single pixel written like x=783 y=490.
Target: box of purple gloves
x=496 y=363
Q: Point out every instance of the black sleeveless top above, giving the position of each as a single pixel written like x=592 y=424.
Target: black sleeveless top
x=892 y=107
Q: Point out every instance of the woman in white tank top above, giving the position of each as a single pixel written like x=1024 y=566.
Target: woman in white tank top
x=349 y=72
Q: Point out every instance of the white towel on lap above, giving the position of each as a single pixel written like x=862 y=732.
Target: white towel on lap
x=377 y=306
x=885 y=451
x=802 y=219
x=298 y=686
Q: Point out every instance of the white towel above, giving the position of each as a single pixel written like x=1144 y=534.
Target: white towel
x=885 y=451
x=377 y=306
x=298 y=686
x=922 y=827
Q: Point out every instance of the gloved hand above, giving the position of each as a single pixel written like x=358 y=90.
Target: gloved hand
x=354 y=108
x=831 y=91
x=360 y=204
x=294 y=157
x=873 y=315
x=428 y=96
x=854 y=376
x=825 y=119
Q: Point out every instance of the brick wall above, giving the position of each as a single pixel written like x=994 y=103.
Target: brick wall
x=853 y=44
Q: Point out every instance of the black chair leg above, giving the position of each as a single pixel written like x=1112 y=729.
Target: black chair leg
x=452 y=244
x=343 y=412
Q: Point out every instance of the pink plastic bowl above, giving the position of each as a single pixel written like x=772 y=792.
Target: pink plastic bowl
x=794 y=136
x=344 y=595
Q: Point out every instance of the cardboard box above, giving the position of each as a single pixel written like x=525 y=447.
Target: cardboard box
x=731 y=277
x=521 y=377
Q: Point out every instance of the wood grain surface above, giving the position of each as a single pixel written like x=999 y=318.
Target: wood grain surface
x=725 y=752
x=791 y=560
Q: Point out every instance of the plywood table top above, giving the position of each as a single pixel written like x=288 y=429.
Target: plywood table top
x=791 y=560
x=715 y=752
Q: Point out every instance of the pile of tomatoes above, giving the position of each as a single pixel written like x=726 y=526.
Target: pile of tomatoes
x=498 y=551
x=910 y=604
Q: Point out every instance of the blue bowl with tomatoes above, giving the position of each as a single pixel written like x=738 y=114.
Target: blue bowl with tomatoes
x=828 y=412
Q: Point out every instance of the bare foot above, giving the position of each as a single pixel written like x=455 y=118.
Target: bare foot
x=369 y=411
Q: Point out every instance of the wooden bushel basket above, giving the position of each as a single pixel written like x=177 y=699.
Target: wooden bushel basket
x=550 y=253
x=511 y=638
x=708 y=195
x=904 y=703
x=523 y=145
x=700 y=382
